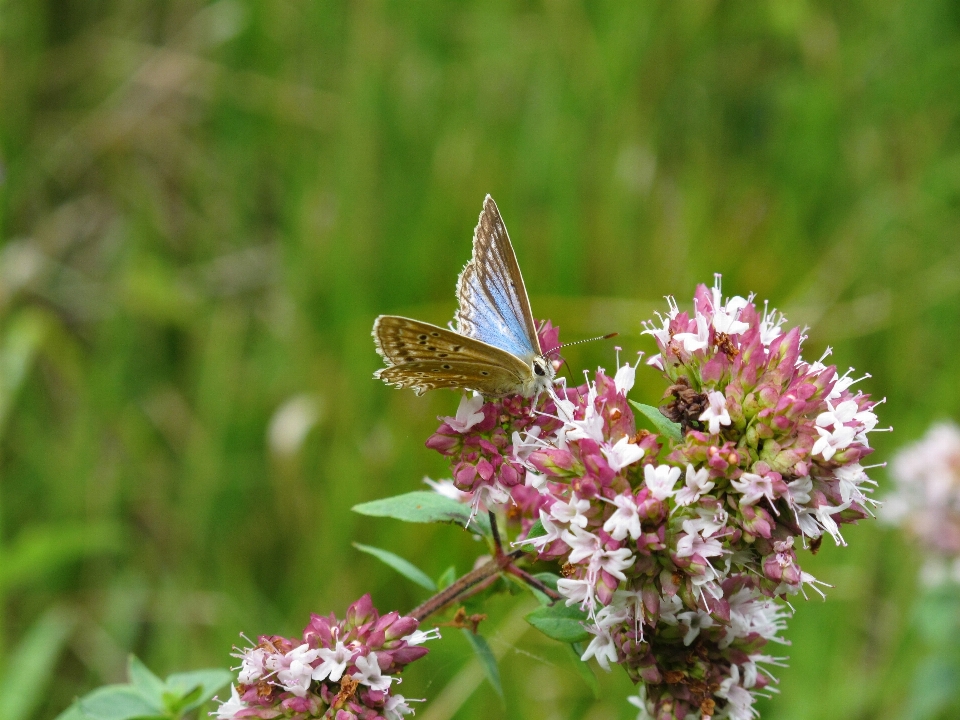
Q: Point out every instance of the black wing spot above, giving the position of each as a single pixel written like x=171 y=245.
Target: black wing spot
x=446 y=367
x=421 y=337
x=484 y=372
x=457 y=348
x=431 y=348
x=442 y=354
x=435 y=334
x=422 y=342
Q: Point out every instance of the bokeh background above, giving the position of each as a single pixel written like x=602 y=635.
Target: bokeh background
x=204 y=206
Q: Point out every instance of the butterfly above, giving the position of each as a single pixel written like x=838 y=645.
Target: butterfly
x=494 y=350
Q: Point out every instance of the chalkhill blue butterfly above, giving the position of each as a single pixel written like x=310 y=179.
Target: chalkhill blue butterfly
x=494 y=350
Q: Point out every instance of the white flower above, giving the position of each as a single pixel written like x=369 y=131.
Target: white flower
x=698 y=483
x=590 y=427
x=661 y=480
x=468 y=413
x=739 y=700
x=698 y=340
x=753 y=487
x=837 y=416
x=601 y=647
x=396 y=707
x=614 y=561
x=576 y=591
x=419 y=637
x=583 y=544
x=824 y=513
x=625 y=605
x=770 y=324
x=670 y=605
x=830 y=442
x=708 y=521
x=798 y=491
x=626 y=520
x=229 y=708
x=625 y=377
x=551 y=532
x=844 y=382
x=640 y=701
x=335 y=661
x=622 y=453
x=571 y=512
x=524 y=445
x=253 y=665
x=369 y=673
x=447 y=489
x=694 y=621
x=850 y=477
x=488 y=496
x=294 y=669
x=725 y=316
x=536 y=481
x=716 y=414
x=693 y=544
x=656 y=361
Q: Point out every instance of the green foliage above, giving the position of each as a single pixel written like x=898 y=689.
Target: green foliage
x=23 y=684
x=487 y=660
x=560 y=622
x=203 y=206
x=147 y=697
x=425 y=507
x=660 y=423
x=584 y=670
x=406 y=568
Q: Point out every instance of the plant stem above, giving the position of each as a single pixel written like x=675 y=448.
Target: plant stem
x=465 y=586
x=459 y=588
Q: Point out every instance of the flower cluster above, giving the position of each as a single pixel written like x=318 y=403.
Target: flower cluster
x=926 y=499
x=678 y=544
x=338 y=669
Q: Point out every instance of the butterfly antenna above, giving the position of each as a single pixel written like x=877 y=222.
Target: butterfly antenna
x=578 y=342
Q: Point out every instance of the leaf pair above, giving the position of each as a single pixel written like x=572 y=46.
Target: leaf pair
x=147 y=697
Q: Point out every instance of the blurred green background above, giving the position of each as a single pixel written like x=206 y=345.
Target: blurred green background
x=204 y=206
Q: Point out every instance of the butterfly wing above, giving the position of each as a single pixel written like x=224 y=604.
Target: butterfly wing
x=494 y=307
x=426 y=357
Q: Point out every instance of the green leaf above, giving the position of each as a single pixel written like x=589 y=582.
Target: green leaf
x=149 y=685
x=663 y=425
x=536 y=530
x=404 y=567
x=26 y=679
x=548 y=579
x=422 y=506
x=584 y=671
x=118 y=702
x=184 y=692
x=560 y=622
x=446 y=580
x=197 y=686
x=487 y=661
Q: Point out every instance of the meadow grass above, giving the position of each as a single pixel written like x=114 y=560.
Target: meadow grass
x=204 y=206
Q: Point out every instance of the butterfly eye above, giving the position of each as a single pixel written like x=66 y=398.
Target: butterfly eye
x=538 y=369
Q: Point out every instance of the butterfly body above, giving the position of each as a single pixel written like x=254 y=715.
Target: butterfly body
x=494 y=350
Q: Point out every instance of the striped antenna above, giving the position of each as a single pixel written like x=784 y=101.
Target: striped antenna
x=577 y=342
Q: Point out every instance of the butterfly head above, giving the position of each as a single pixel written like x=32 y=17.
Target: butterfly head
x=542 y=374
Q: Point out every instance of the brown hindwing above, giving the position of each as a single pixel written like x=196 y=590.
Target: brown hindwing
x=425 y=357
